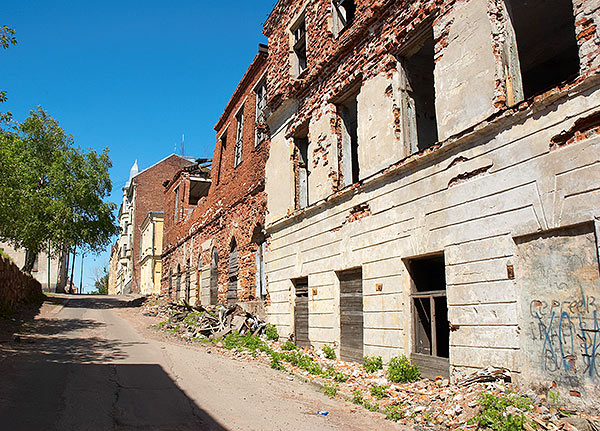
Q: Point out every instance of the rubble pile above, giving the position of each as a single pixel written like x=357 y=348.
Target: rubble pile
x=425 y=404
x=197 y=322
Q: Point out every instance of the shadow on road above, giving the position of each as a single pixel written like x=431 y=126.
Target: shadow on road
x=71 y=396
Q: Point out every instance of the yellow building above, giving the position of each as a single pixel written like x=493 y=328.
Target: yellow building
x=151 y=250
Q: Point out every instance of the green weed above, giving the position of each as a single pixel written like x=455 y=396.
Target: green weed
x=495 y=413
x=394 y=412
x=402 y=370
x=378 y=391
x=329 y=352
x=372 y=363
x=271 y=333
x=330 y=389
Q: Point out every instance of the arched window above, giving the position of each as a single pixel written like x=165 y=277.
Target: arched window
x=258 y=238
x=232 y=295
x=214 y=276
x=188 y=281
x=178 y=283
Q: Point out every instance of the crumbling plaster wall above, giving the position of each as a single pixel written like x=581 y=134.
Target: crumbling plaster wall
x=496 y=176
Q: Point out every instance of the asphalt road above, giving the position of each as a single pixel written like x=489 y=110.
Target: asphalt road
x=88 y=363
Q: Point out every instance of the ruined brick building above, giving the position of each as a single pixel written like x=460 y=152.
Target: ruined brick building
x=213 y=242
x=143 y=194
x=433 y=184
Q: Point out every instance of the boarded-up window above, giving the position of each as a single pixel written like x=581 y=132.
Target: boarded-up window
x=214 y=276
x=351 y=315
x=188 y=281
x=178 y=282
x=558 y=279
x=431 y=330
x=301 y=312
x=232 y=295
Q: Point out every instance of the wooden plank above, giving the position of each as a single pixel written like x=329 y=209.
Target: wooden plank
x=432 y=366
x=301 y=321
x=351 y=315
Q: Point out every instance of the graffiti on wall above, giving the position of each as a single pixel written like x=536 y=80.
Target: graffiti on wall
x=569 y=332
x=560 y=311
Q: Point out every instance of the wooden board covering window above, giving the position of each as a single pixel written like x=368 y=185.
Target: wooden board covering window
x=301 y=313
x=214 y=277
x=351 y=315
x=233 y=276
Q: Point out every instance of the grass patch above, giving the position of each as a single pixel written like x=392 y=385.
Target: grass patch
x=372 y=363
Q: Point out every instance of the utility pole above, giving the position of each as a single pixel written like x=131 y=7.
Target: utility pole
x=73 y=266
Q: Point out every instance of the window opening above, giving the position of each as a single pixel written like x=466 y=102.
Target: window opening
x=547 y=46
x=233 y=273
x=299 y=38
x=302 y=170
x=301 y=312
x=170 y=282
x=431 y=329
x=239 y=137
x=418 y=88
x=176 y=213
x=261 y=109
x=348 y=112
x=258 y=238
x=222 y=150
x=198 y=189
x=343 y=15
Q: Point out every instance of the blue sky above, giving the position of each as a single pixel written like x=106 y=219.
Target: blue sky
x=132 y=76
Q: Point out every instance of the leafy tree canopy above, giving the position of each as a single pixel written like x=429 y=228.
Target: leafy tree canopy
x=7 y=39
x=51 y=193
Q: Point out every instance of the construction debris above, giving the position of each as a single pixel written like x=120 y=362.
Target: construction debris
x=427 y=404
x=195 y=322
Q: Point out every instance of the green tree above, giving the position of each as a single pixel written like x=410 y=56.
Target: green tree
x=101 y=283
x=51 y=193
x=7 y=39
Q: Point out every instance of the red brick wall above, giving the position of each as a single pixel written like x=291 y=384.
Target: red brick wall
x=369 y=46
x=150 y=196
x=233 y=207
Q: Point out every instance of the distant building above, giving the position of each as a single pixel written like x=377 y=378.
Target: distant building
x=150 y=261
x=41 y=267
x=214 y=241
x=142 y=194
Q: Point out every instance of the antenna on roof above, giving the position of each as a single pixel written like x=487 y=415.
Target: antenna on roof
x=182 y=145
